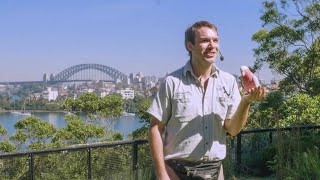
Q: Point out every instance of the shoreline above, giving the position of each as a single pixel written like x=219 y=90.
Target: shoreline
x=33 y=111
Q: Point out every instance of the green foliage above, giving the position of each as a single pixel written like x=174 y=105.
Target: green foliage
x=34 y=130
x=15 y=168
x=38 y=104
x=142 y=110
x=109 y=163
x=96 y=108
x=77 y=132
x=300 y=109
x=3 y=131
x=5 y=102
x=306 y=165
x=266 y=113
x=294 y=155
x=114 y=163
x=91 y=105
x=110 y=106
x=67 y=165
x=278 y=110
x=289 y=43
x=132 y=105
x=6 y=146
x=117 y=136
x=142 y=133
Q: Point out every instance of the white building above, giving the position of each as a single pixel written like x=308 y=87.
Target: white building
x=2 y=88
x=127 y=93
x=50 y=94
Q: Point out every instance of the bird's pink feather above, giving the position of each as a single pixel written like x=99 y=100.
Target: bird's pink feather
x=247 y=80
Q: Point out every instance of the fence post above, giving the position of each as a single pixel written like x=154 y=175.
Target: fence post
x=31 y=166
x=238 y=154
x=270 y=137
x=232 y=154
x=135 y=159
x=89 y=164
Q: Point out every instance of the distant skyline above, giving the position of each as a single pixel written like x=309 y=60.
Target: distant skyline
x=147 y=36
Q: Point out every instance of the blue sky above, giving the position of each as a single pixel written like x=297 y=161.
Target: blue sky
x=147 y=36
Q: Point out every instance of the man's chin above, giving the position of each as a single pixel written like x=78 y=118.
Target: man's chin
x=211 y=60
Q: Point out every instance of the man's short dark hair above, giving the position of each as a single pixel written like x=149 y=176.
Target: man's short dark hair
x=191 y=31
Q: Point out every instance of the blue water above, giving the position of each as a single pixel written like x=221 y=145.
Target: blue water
x=124 y=124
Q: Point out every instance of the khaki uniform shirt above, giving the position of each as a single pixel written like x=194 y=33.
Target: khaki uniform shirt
x=195 y=119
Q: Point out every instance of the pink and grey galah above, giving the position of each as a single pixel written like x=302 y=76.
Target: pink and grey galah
x=248 y=79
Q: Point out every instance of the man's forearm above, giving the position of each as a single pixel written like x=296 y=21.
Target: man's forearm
x=156 y=147
x=239 y=119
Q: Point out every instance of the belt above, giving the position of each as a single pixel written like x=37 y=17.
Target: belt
x=191 y=168
x=191 y=163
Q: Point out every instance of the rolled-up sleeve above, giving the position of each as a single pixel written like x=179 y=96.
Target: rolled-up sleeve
x=161 y=105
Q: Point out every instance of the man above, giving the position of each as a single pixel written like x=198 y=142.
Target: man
x=194 y=107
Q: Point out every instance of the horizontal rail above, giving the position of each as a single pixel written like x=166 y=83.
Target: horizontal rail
x=279 y=129
x=72 y=148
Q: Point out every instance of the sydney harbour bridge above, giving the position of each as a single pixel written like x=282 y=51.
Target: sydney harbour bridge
x=81 y=72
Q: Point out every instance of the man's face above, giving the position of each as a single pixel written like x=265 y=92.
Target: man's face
x=206 y=46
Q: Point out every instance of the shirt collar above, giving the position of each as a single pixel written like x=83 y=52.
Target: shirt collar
x=188 y=67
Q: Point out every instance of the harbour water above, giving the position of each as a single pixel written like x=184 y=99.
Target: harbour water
x=124 y=124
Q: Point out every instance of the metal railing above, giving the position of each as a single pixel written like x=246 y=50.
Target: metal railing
x=106 y=153
x=270 y=131
x=117 y=160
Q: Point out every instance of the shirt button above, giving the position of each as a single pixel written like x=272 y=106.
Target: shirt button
x=206 y=143
x=206 y=127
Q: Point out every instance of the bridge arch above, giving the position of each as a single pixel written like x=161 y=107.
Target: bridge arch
x=69 y=72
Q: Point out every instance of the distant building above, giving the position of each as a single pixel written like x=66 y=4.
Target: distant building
x=51 y=77
x=127 y=81
x=150 y=79
x=50 y=94
x=2 y=88
x=150 y=85
x=103 y=94
x=131 y=77
x=45 y=78
x=127 y=93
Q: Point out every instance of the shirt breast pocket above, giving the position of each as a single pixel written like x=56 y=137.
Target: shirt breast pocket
x=221 y=108
x=183 y=111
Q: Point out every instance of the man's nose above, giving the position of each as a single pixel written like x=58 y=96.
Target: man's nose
x=213 y=44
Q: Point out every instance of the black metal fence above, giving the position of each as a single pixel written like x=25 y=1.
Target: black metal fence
x=124 y=160
x=120 y=160
x=247 y=152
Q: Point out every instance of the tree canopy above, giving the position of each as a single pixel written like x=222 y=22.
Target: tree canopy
x=289 y=43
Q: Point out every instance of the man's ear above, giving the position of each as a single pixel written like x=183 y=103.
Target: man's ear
x=189 y=46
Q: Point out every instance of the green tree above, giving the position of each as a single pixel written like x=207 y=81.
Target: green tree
x=26 y=89
x=92 y=105
x=33 y=133
x=77 y=132
x=266 y=114
x=98 y=110
x=5 y=144
x=289 y=43
x=5 y=102
x=144 y=118
x=110 y=106
x=300 y=109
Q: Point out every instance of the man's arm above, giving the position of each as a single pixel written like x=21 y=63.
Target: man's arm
x=239 y=119
x=156 y=148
